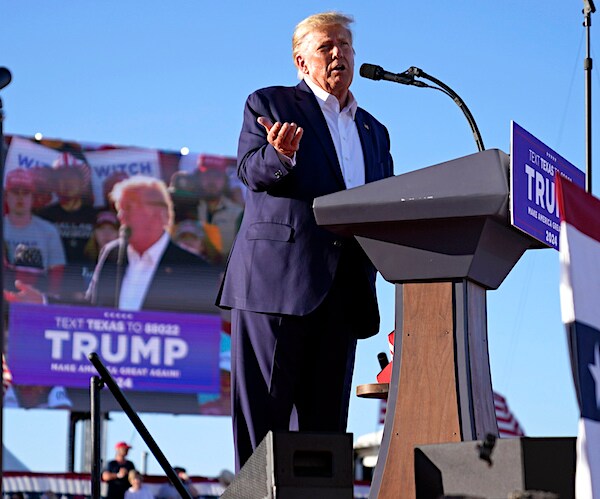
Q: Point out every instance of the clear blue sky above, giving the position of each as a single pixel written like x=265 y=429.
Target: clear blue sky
x=173 y=74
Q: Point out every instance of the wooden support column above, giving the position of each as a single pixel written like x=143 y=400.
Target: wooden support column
x=441 y=388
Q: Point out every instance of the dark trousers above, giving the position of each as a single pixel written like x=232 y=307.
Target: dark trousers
x=281 y=363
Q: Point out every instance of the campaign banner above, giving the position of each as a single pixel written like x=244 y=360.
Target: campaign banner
x=26 y=154
x=126 y=161
x=143 y=351
x=533 y=166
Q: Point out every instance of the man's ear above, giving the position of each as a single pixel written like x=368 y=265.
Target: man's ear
x=301 y=64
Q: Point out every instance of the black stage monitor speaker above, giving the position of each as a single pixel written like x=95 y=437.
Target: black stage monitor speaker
x=517 y=464
x=297 y=465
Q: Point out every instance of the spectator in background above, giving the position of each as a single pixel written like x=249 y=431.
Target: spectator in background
x=184 y=188
x=168 y=490
x=37 y=397
x=116 y=472
x=220 y=216
x=34 y=252
x=106 y=229
x=43 y=181
x=137 y=490
x=73 y=215
x=190 y=236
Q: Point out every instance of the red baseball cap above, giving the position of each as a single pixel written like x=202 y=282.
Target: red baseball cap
x=107 y=217
x=20 y=178
x=119 y=445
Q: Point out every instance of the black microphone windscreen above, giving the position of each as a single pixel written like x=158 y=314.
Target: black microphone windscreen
x=383 y=360
x=371 y=71
x=5 y=77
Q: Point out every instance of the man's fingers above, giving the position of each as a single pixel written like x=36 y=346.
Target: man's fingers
x=297 y=137
x=266 y=122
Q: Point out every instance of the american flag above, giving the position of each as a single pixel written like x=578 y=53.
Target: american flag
x=579 y=292
x=508 y=425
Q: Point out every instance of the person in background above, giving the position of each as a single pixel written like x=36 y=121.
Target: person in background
x=34 y=251
x=190 y=235
x=300 y=296
x=73 y=215
x=168 y=490
x=137 y=490
x=184 y=188
x=116 y=472
x=219 y=215
x=106 y=229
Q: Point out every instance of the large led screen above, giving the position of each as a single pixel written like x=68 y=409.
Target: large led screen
x=136 y=285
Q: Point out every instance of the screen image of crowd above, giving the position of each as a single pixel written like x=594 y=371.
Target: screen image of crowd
x=58 y=217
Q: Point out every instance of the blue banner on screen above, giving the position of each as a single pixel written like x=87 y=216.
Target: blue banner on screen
x=533 y=165
x=143 y=351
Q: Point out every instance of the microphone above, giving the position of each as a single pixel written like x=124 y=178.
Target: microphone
x=5 y=77
x=373 y=72
x=124 y=234
x=383 y=360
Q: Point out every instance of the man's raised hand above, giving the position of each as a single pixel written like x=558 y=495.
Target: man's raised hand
x=284 y=137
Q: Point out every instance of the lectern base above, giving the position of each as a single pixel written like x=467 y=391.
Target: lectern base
x=543 y=464
x=297 y=465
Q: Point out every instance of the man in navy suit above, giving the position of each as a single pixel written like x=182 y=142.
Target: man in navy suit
x=300 y=295
x=154 y=272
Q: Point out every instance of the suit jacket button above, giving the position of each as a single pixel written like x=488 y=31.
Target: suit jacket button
x=278 y=174
x=337 y=244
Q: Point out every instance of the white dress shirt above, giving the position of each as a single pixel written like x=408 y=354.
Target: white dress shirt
x=139 y=273
x=344 y=133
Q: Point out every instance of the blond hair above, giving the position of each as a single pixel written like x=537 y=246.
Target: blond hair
x=316 y=22
x=138 y=183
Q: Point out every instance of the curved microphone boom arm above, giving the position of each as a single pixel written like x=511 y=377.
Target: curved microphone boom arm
x=414 y=71
x=408 y=78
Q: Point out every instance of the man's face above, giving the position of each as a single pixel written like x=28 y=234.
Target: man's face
x=69 y=185
x=327 y=57
x=19 y=201
x=144 y=211
x=122 y=452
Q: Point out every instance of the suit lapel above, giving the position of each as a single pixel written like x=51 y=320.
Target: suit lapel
x=160 y=279
x=309 y=107
x=366 y=141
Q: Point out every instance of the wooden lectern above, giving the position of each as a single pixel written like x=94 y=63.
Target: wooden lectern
x=442 y=235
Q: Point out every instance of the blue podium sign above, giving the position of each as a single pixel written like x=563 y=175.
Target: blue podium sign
x=533 y=167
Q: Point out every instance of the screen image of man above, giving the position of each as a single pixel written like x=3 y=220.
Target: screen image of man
x=154 y=273
x=300 y=295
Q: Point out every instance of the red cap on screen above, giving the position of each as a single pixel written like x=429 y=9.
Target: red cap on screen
x=208 y=162
x=119 y=445
x=20 y=178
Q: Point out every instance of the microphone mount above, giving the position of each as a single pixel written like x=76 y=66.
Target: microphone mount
x=408 y=78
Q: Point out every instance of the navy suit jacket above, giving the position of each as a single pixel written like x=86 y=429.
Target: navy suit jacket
x=182 y=282
x=282 y=262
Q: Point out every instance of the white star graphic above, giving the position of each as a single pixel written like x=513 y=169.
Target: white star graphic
x=595 y=372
